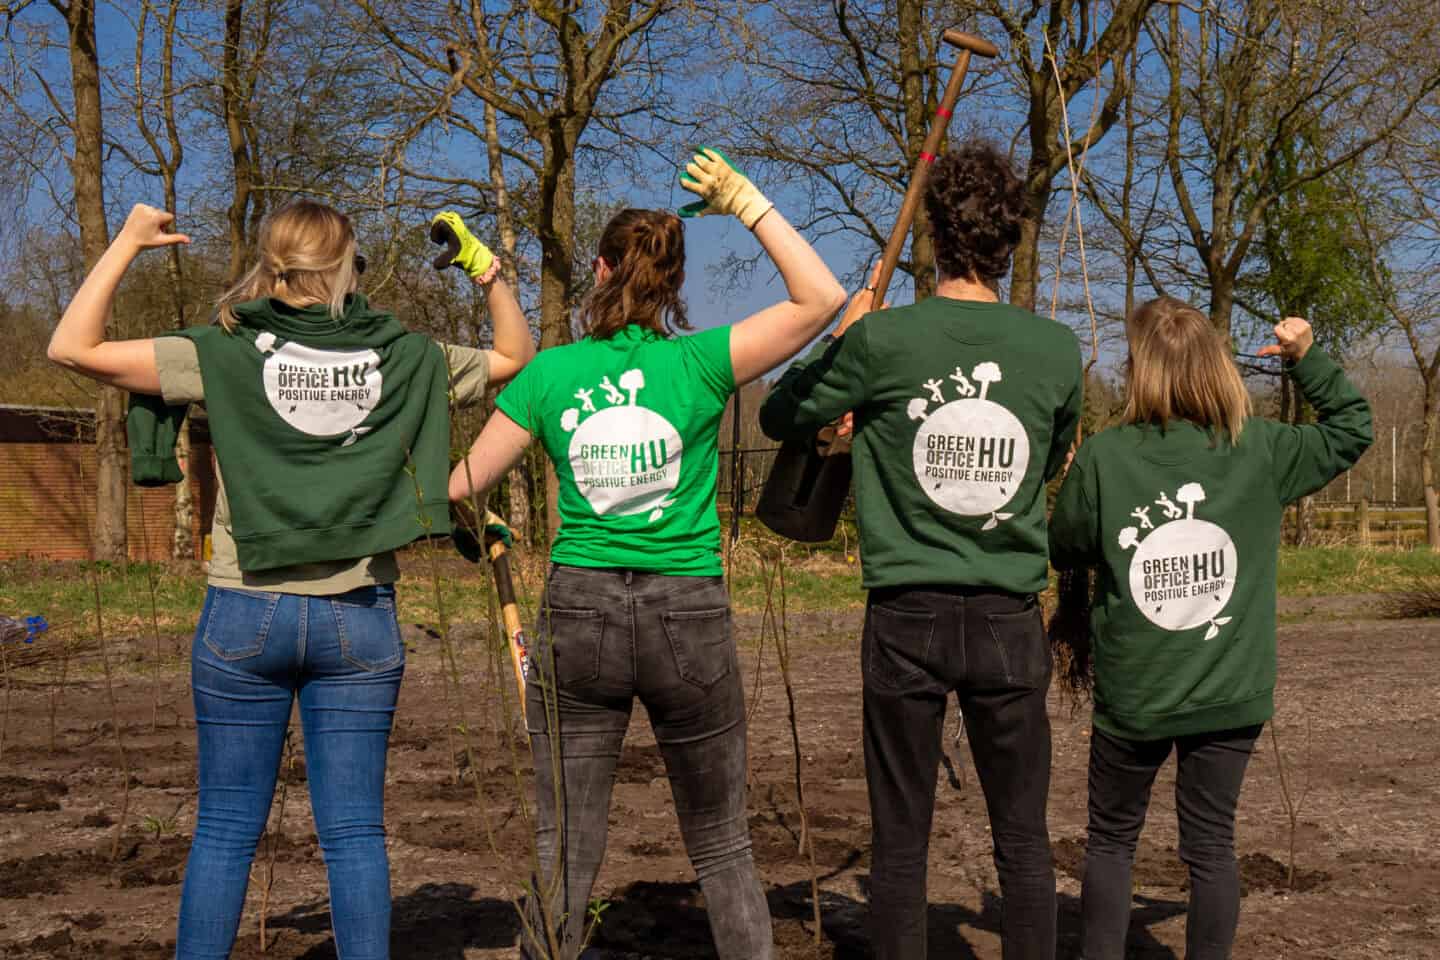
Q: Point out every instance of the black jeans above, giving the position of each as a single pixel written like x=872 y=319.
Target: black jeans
x=990 y=648
x=1211 y=768
x=618 y=635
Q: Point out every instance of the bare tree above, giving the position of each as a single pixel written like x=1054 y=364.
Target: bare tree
x=1400 y=229
x=167 y=159
x=1077 y=43
x=1248 y=79
x=543 y=68
x=87 y=175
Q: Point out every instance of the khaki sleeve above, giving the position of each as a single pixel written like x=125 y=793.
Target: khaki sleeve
x=178 y=364
x=469 y=373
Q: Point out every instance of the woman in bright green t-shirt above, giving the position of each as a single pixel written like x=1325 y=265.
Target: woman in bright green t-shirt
x=635 y=604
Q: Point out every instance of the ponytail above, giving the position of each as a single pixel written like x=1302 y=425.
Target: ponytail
x=646 y=251
x=1070 y=634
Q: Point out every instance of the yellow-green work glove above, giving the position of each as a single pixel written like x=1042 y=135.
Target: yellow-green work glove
x=461 y=248
x=722 y=189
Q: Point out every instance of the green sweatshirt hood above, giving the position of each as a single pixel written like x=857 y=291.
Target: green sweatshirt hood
x=332 y=434
x=315 y=326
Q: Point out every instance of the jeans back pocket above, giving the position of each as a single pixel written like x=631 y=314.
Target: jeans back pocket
x=572 y=635
x=897 y=644
x=1020 y=645
x=701 y=643
x=238 y=622
x=368 y=629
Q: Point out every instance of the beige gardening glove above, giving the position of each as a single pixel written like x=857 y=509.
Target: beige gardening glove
x=722 y=189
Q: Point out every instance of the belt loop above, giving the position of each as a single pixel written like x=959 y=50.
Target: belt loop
x=629 y=577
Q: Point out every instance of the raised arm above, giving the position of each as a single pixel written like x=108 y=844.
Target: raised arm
x=514 y=347
x=764 y=340
x=79 y=343
x=1308 y=457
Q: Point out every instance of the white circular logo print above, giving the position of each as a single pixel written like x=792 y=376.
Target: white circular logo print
x=971 y=456
x=1182 y=575
x=626 y=460
x=320 y=392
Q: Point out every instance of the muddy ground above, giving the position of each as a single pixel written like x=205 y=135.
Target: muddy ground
x=1359 y=725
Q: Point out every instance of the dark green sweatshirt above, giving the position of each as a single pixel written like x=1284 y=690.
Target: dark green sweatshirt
x=1184 y=531
x=963 y=410
x=322 y=428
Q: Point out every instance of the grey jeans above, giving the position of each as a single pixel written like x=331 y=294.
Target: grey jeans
x=616 y=635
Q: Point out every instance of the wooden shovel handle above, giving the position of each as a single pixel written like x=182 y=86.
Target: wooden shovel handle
x=968 y=44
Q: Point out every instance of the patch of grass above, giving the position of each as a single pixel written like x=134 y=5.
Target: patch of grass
x=817 y=578
x=1334 y=571
x=62 y=592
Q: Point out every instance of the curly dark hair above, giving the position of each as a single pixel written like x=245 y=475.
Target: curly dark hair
x=976 y=202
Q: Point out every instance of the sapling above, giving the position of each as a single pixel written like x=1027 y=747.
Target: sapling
x=154 y=618
x=1293 y=802
x=273 y=837
x=780 y=631
x=114 y=714
x=452 y=675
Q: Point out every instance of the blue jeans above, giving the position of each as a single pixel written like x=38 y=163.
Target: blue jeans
x=253 y=653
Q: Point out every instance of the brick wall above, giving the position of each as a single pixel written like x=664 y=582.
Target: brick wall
x=47 y=495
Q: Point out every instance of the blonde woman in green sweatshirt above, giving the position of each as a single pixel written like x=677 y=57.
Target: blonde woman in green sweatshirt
x=1179 y=510
x=325 y=414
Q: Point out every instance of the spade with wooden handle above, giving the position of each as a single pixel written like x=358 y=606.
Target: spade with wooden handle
x=469 y=548
x=806 y=489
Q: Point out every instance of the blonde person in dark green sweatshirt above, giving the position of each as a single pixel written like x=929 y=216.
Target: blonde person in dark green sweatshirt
x=1178 y=511
x=318 y=403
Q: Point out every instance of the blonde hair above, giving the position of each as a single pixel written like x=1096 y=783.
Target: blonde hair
x=306 y=255
x=1181 y=368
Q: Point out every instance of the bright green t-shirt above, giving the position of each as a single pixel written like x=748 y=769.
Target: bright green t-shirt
x=631 y=424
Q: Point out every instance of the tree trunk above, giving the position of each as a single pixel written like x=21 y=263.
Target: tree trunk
x=557 y=257
x=505 y=226
x=1222 y=300
x=1427 y=467
x=1025 y=267
x=916 y=87
x=87 y=174
x=233 y=99
x=183 y=547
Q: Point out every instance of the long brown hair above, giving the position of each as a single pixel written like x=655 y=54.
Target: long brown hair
x=1181 y=368
x=305 y=256
x=646 y=253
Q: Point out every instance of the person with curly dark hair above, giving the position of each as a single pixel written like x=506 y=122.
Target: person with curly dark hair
x=963 y=407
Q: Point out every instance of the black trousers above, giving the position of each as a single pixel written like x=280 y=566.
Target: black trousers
x=1211 y=768
x=990 y=648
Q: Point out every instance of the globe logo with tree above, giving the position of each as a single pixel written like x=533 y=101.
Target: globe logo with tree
x=324 y=393
x=625 y=458
x=1183 y=571
x=970 y=454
